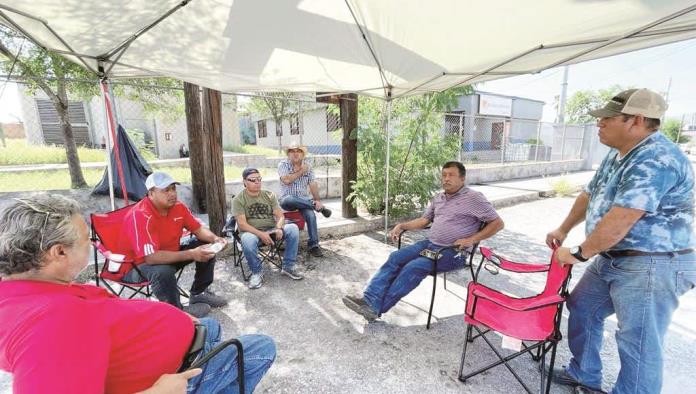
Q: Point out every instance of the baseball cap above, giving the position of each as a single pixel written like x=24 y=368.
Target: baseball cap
x=159 y=180
x=248 y=171
x=633 y=102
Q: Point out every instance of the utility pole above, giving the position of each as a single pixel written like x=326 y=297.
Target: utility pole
x=560 y=117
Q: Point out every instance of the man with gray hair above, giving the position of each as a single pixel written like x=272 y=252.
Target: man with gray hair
x=152 y=235
x=58 y=336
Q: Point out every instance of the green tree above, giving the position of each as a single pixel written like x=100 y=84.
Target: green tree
x=583 y=101
x=670 y=128
x=277 y=105
x=418 y=150
x=59 y=78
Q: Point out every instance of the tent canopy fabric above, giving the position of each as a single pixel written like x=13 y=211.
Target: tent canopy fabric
x=385 y=48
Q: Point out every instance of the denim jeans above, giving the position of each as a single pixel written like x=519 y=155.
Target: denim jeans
x=306 y=208
x=250 y=248
x=402 y=273
x=642 y=291
x=220 y=372
x=163 y=276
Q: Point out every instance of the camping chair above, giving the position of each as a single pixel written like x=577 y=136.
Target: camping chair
x=295 y=217
x=106 y=231
x=444 y=274
x=271 y=254
x=535 y=321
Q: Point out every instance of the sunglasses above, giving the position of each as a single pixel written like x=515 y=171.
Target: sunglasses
x=35 y=209
x=255 y=180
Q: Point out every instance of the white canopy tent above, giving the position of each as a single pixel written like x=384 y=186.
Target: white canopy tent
x=380 y=48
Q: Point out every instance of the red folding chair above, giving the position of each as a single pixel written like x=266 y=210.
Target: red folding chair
x=535 y=321
x=106 y=231
x=295 y=217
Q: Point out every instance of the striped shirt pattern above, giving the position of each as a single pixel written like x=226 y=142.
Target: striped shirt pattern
x=301 y=184
x=457 y=216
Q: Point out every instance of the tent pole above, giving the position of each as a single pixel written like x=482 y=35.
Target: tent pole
x=386 y=188
x=112 y=128
x=108 y=155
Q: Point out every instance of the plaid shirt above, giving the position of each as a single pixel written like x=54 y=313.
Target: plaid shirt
x=299 y=187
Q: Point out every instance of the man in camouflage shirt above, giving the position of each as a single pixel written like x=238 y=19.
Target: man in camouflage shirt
x=639 y=213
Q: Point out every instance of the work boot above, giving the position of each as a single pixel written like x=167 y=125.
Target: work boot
x=325 y=211
x=199 y=310
x=316 y=252
x=360 y=306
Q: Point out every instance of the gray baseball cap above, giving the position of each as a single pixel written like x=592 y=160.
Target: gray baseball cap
x=160 y=180
x=633 y=102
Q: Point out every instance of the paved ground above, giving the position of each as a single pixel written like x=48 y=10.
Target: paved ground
x=325 y=348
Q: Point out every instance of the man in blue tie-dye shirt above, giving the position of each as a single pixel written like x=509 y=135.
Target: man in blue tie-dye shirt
x=639 y=213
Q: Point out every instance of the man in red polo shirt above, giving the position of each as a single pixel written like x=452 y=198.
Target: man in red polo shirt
x=152 y=235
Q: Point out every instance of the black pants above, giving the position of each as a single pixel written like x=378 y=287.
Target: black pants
x=163 y=276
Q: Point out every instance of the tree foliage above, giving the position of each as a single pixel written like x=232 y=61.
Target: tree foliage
x=418 y=150
x=583 y=101
x=670 y=128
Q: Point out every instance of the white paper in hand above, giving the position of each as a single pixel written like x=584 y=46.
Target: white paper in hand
x=216 y=247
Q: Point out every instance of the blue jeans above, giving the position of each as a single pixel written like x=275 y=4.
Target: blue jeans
x=250 y=248
x=402 y=273
x=220 y=372
x=642 y=291
x=306 y=208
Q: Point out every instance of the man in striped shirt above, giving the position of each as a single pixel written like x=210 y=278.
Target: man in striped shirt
x=296 y=176
x=456 y=215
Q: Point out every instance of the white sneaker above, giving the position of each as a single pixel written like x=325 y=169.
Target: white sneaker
x=255 y=281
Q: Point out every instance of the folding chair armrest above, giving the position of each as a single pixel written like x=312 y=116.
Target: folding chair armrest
x=398 y=246
x=521 y=304
x=107 y=253
x=511 y=266
x=240 y=359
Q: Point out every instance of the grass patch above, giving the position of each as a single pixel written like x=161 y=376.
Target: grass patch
x=563 y=187
x=60 y=179
x=254 y=150
x=19 y=152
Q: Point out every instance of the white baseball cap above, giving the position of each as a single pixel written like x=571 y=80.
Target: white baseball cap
x=160 y=180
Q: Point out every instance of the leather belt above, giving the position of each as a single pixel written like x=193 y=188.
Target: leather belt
x=612 y=254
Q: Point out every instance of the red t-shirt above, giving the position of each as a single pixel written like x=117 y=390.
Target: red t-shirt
x=145 y=231
x=80 y=339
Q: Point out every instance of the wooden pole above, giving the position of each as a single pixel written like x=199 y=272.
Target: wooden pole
x=348 y=104
x=214 y=164
x=197 y=145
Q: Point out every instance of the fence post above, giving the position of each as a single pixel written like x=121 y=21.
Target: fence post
x=502 y=142
x=461 y=136
x=538 y=139
x=565 y=127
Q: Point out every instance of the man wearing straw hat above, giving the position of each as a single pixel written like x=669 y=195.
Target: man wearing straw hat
x=296 y=176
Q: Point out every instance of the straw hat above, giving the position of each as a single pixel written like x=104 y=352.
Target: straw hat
x=295 y=145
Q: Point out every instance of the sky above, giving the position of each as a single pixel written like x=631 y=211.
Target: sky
x=649 y=68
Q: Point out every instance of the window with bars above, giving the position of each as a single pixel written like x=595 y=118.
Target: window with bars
x=333 y=121
x=261 y=125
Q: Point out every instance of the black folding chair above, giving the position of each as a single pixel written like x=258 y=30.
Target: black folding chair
x=267 y=253
x=200 y=362
x=434 y=272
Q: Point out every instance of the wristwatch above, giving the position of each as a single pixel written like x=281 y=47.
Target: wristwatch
x=576 y=251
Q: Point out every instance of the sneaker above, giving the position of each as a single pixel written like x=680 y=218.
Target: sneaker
x=197 y=310
x=316 y=252
x=255 y=281
x=359 y=306
x=291 y=273
x=208 y=297
x=325 y=211
x=588 y=390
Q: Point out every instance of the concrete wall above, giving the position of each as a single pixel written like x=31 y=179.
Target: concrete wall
x=493 y=174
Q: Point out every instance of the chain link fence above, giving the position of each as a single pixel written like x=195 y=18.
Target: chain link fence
x=485 y=139
x=254 y=132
